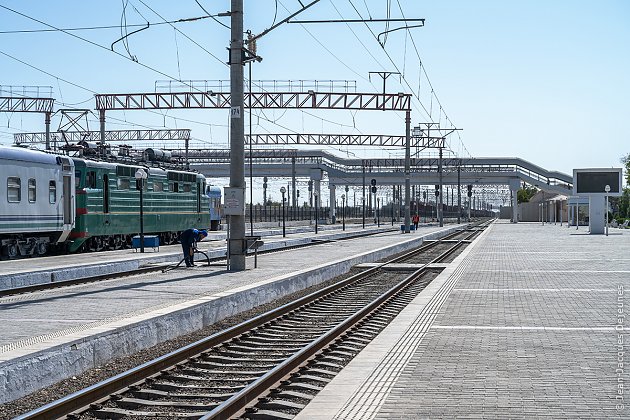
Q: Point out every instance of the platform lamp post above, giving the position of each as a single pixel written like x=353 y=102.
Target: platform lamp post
x=140 y=177
x=392 y=203
x=316 y=212
x=343 y=211
x=607 y=190
x=284 y=231
x=348 y=194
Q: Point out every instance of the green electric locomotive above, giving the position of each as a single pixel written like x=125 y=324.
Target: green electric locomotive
x=108 y=204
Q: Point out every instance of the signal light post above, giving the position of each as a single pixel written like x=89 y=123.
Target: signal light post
x=438 y=205
x=373 y=190
x=284 y=232
x=343 y=211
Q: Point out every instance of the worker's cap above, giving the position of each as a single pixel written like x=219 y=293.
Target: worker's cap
x=203 y=232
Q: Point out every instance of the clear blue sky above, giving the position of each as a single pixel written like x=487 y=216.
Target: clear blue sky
x=546 y=81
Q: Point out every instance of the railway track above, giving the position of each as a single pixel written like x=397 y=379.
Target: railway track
x=153 y=268
x=269 y=366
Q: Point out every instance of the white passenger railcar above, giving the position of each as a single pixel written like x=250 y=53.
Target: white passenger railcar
x=37 y=203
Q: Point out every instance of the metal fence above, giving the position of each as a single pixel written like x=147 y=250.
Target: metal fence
x=273 y=213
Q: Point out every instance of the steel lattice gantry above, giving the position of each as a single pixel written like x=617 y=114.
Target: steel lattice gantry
x=344 y=139
x=25 y=104
x=20 y=104
x=284 y=100
x=110 y=136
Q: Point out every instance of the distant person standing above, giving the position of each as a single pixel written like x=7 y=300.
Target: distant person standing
x=189 y=238
x=415 y=219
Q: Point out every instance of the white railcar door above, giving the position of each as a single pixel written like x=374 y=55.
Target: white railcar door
x=67 y=197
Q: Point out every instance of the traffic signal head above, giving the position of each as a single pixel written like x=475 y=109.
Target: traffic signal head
x=437 y=190
x=374 y=190
x=373 y=182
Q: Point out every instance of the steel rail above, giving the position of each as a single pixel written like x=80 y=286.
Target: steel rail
x=158 y=267
x=240 y=400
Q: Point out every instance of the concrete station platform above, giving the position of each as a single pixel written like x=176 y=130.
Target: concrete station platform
x=50 y=335
x=528 y=322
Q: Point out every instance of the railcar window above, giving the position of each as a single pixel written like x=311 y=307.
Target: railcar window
x=32 y=190
x=14 y=189
x=186 y=187
x=175 y=187
x=77 y=179
x=123 y=183
x=157 y=186
x=90 y=181
x=52 y=192
x=65 y=166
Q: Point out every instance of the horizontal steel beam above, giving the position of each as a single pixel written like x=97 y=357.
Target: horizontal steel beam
x=110 y=136
x=17 y=104
x=343 y=139
x=266 y=100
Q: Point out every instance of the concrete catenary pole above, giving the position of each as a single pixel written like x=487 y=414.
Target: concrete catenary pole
x=441 y=205
x=407 y=171
x=237 y=134
x=459 y=192
x=294 y=202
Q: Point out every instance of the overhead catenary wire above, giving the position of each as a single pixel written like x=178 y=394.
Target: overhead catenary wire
x=423 y=70
x=390 y=59
x=97 y=44
x=178 y=79
x=245 y=79
x=93 y=28
x=110 y=118
x=149 y=67
x=107 y=49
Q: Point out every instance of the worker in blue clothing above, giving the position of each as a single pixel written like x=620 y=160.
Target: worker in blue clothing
x=189 y=238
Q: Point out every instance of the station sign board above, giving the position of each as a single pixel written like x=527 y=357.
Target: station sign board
x=593 y=181
x=234 y=201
